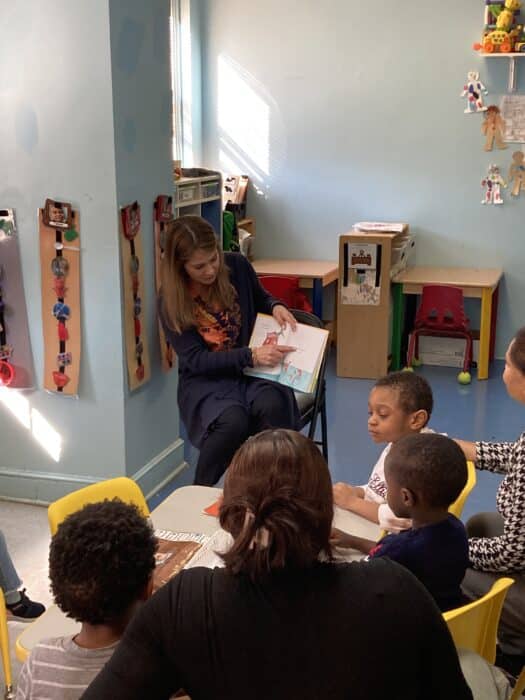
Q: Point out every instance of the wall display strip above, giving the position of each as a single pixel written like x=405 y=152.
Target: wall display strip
x=137 y=354
x=60 y=265
x=162 y=215
x=16 y=360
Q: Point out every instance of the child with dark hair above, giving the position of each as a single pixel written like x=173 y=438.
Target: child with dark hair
x=101 y=563
x=277 y=622
x=424 y=475
x=399 y=404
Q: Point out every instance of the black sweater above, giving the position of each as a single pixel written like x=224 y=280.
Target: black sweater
x=366 y=630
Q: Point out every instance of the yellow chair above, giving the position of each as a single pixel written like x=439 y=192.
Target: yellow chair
x=475 y=625
x=519 y=687
x=122 y=487
x=4 y=647
x=457 y=507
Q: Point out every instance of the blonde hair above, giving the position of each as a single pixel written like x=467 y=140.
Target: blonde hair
x=184 y=236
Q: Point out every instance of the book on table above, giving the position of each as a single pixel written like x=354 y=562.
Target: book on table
x=174 y=551
x=299 y=369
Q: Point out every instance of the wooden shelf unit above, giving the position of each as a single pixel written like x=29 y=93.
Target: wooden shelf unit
x=200 y=196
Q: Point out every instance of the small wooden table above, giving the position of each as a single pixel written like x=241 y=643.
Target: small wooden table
x=477 y=283
x=314 y=274
x=182 y=511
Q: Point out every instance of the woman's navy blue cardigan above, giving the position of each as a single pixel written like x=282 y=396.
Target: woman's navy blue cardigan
x=211 y=382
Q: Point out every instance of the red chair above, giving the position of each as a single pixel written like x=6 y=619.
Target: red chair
x=441 y=313
x=287 y=290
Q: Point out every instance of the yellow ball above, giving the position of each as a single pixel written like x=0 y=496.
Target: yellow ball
x=464 y=378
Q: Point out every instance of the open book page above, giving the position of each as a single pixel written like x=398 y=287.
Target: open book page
x=175 y=549
x=267 y=332
x=299 y=368
x=209 y=554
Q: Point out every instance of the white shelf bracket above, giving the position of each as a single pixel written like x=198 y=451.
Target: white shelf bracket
x=511 y=85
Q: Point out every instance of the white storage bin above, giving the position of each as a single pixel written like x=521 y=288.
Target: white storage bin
x=210 y=189
x=444 y=352
x=187 y=193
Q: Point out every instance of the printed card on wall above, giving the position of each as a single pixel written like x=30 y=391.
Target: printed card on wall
x=16 y=360
x=137 y=355
x=60 y=273
x=361 y=283
x=162 y=215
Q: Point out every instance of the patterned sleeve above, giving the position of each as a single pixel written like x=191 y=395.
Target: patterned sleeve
x=494 y=456
x=506 y=552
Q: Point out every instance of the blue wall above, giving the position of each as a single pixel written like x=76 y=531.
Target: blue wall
x=78 y=129
x=344 y=111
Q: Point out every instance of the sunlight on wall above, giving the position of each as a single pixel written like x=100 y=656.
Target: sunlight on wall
x=244 y=121
x=41 y=430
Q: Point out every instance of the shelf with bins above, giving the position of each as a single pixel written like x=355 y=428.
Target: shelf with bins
x=200 y=195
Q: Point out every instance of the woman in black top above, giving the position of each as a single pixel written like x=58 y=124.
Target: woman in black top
x=208 y=306
x=282 y=621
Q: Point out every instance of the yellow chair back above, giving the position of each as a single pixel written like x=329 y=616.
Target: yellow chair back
x=122 y=487
x=457 y=507
x=519 y=687
x=4 y=647
x=475 y=625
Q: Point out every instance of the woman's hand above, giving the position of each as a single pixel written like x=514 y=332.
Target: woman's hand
x=345 y=495
x=283 y=316
x=270 y=355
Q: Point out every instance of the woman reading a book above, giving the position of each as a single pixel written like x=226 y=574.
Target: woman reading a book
x=282 y=620
x=208 y=304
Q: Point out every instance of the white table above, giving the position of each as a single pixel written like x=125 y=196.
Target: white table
x=182 y=511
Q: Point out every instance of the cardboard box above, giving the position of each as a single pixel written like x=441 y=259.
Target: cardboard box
x=444 y=352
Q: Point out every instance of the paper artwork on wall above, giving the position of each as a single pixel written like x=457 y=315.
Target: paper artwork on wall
x=162 y=215
x=16 y=360
x=492 y=184
x=137 y=354
x=517 y=173
x=361 y=282
x=473 y=91
x=59 y=230
x=512 y=109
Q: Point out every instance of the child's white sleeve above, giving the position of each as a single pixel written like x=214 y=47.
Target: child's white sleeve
x=389 y=521
x=375 y=489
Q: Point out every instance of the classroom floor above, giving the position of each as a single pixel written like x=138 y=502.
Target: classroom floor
x=479 y=411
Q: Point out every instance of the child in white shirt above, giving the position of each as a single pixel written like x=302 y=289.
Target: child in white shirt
x=399 y=404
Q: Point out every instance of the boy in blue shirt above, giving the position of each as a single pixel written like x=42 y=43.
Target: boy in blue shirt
x=425 y=473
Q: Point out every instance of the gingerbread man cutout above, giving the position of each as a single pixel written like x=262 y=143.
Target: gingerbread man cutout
x=517 y=173
x=493 y=127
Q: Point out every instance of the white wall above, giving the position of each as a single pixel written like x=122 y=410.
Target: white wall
x=342 y=111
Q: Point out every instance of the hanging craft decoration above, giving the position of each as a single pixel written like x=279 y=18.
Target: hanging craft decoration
x=492 y=184
x=473 y=90
x=16 y=361
x=517 y=173
x=493 y=127
x=162 y=215
x=133 y=280
x=60 y=263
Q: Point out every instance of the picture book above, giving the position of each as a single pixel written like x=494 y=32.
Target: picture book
x=300 y=368
x=175 y=549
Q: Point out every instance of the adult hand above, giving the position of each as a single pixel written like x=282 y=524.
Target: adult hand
x=283 y=316
x=270 y=355
x=345 y=495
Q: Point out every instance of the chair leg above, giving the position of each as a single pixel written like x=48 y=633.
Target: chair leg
x=467 y=360
x=411 y=348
